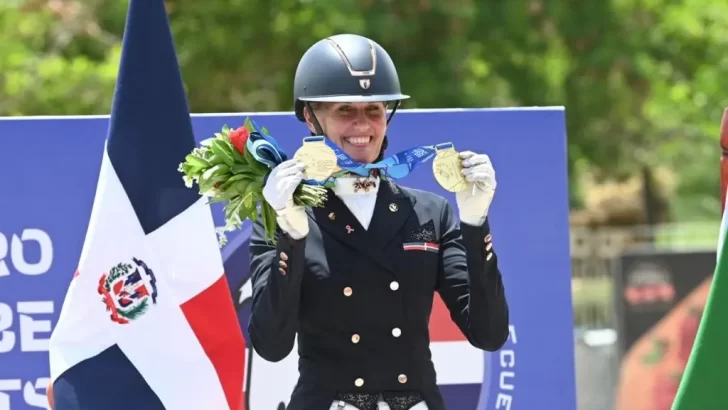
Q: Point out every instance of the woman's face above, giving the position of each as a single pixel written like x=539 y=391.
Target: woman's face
x=357 y=128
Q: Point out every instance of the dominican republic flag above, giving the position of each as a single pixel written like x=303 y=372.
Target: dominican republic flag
x=148 y=322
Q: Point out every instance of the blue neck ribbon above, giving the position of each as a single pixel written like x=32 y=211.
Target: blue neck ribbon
x=266 y=150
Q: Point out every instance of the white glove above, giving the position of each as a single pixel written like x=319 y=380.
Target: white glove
x=474 y=202
x=278 y=192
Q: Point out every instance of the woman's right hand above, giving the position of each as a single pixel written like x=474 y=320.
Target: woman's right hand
x=282 y=181
x=278 y=192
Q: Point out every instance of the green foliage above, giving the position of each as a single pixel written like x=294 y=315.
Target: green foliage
x=53 y=63
x=643 y=80
x=235 y=178
x=136 y=311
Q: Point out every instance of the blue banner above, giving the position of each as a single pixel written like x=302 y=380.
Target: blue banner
x=50 y=170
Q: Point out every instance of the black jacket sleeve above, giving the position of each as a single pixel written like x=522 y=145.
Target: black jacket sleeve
x=276 y=272
x=470 y=283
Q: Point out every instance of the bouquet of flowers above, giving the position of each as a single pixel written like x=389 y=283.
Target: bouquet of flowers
x=232 y=168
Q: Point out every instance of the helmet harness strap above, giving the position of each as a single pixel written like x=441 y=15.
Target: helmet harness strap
x=317 y=127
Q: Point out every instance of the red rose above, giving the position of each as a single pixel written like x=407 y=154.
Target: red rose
x=238 y=138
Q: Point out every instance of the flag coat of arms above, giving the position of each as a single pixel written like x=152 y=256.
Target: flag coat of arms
x=148 y=320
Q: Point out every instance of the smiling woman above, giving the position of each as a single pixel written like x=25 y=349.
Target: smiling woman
x=358 y=128
x=353 y=281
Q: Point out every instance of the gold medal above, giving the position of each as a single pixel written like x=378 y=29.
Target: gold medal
x=448 y=170
x=320 y=160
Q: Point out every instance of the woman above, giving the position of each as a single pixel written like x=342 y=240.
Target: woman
x=341 y=278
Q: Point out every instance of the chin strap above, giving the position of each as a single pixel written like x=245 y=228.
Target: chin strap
x=314 y=120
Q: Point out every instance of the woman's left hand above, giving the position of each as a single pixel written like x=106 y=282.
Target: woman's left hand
x=475 y=201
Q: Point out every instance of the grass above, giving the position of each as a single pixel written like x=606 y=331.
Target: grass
x=697 y=235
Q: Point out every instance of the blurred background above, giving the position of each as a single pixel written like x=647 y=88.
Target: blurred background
x=643 y=83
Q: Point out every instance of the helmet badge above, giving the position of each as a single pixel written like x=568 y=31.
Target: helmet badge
x=345 y=59
x=364 y=83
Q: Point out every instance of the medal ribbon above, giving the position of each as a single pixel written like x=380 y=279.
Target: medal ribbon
x=266 y=150
x=394 y=166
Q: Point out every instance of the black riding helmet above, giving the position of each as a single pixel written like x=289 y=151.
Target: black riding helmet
x=346 y=68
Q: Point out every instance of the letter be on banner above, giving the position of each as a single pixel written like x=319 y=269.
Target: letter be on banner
x=7 y=336
x=33 y=330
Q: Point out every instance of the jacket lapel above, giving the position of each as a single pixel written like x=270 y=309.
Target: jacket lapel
x=391 y=211
x=335 y=219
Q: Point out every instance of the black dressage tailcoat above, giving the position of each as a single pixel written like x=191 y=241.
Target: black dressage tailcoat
x=360 y=300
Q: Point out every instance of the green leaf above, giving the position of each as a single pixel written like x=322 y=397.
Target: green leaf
x=250 y=160
x=196 y=162
x=253 y=216
x=223 y=195
x=256 y=186
x=219 y=170
x=208 y=180
x=207 y=185
x=248 y=200
x=247 y=210
x=249 y=124
x=242 y=186
x=222 y=150
x=231 y=181
x=269 y=221
x=246 y=170
x=233 y=207
x=188 y=169
x=237 y=156
x=261 y=168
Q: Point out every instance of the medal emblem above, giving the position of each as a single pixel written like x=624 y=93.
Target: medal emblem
x=320 y=160
x=448 y=170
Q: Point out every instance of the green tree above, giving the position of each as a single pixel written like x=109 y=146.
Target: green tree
x=642 y=80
